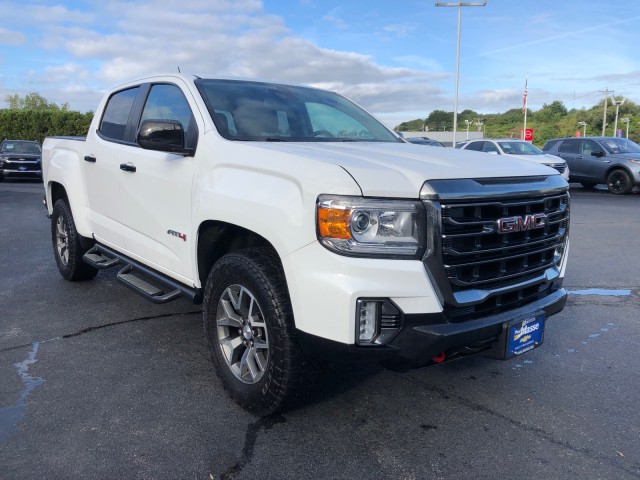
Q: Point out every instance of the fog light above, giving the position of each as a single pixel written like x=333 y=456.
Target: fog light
x=368 y=319
x=378 y=321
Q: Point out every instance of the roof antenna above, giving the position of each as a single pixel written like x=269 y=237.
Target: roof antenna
x=179 y=69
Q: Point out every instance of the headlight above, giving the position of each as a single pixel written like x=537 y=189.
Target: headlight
x=365 y=227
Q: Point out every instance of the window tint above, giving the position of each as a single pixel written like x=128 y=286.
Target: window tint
x=477 y=146
x=254 y=111
x=327 y=121
x=589 y=147
x=569 y=146
x=116 y=113
x=167 y=102
x=489 y=147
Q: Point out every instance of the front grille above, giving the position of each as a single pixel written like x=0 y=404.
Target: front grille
x=487 y=272
x=475 y=254
x=27 y=165
x=560 y=167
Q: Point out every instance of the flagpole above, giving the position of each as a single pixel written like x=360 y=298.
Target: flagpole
x=524 y=109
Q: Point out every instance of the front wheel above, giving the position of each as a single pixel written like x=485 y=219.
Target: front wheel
x=249 y=327
x=67 y=249
x=619 y=182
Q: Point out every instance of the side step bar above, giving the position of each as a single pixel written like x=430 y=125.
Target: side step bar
x=152 y=285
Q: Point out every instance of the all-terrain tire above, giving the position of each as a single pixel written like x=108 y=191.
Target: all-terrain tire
x=249 y=326
x=67 y=248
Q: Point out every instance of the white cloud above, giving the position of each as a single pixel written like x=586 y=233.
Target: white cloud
x=11 y=37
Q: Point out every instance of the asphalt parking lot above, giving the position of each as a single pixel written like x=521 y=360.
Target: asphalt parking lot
x=97 y=383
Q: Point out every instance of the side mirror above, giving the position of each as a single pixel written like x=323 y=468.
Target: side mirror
x=598 y=154
x=493 y=152
x=163 y=136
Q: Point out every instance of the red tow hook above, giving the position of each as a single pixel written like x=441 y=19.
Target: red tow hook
x=439 y=358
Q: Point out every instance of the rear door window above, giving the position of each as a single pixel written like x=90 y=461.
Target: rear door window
x=116 y=114
x=476 y=146
x=569 y=146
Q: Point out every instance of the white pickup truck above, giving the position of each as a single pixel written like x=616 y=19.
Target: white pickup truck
x=305 y=226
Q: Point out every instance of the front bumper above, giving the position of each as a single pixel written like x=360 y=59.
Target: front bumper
x=424 y=338
x=17 y=174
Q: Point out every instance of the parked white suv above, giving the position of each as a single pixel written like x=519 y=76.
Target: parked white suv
x=515 y=148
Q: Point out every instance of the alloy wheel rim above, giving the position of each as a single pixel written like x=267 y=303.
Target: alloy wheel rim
x=62 y=240
x=242 y=334
x=617 y=182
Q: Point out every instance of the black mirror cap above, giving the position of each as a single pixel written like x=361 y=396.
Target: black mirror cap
x=162 y=135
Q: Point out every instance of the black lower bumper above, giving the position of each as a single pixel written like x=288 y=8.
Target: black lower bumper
x=424 y=338
x=20 y=174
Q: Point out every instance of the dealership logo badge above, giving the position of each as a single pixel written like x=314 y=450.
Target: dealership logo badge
x=521 y=224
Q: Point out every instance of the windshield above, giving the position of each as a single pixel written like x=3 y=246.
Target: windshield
x=620 y=145
x=519 y=148
x=255 y=111
x=21 y=147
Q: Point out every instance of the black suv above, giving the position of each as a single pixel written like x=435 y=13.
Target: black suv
x=593 y=160
x=20 y=159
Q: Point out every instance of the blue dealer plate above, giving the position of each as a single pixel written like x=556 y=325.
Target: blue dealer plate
x=525 y=335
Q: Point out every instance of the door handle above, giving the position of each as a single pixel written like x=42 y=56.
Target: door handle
x=90 y=158
x=128 y=167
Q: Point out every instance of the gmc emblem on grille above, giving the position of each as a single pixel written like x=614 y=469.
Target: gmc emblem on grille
x=520 y=224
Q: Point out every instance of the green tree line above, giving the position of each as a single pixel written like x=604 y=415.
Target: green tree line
x=551 y=121
x=32 y=117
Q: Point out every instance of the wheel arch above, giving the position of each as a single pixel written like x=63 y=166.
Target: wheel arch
x=217 y=238
x=617 y=166
x=57 y=192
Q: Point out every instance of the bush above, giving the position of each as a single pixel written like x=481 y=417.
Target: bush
x=20 y=124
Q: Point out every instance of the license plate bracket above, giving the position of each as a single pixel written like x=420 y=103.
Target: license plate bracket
x=519 y=336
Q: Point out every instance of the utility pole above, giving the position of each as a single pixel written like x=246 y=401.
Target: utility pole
x=606 y=92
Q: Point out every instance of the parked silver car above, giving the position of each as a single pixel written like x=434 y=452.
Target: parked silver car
x=593 y=160
x=513 y=147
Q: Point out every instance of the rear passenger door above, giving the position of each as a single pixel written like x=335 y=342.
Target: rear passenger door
x=569 y=151
x=111 y=144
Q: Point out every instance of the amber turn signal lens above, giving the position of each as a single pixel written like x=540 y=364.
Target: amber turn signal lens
x=334 y=223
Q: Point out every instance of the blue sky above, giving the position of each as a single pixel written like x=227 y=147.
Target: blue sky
x=396 y=58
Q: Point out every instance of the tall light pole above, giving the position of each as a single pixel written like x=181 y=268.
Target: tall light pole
x=455 y=102
x=584 y=128
x=617 y=103
x=626 y=120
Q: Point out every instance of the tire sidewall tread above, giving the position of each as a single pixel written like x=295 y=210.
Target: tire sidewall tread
x=259 y=270
x=75 y=269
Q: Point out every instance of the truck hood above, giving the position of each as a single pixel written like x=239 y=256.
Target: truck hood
x=400 y=169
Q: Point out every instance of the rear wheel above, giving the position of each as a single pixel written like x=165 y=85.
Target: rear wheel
x=619 y=182
x=588 y=184
x=67 y=249
x=249 y=327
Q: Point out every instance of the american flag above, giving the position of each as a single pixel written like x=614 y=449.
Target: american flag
x=524 y=97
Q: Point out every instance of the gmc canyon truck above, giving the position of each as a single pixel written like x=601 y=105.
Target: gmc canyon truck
x=305 y=226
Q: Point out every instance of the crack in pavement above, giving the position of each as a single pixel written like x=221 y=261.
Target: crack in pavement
x=100 y=327
x=251 y=436
x=12 y=415
x=537 y=431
